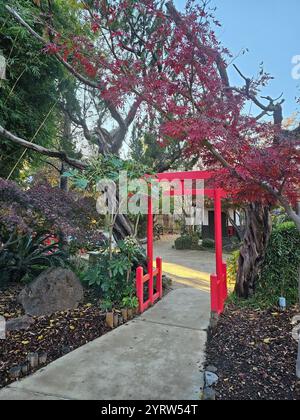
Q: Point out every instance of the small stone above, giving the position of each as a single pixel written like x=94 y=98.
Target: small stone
x=212 y=369
x=33 y=359
x=116 y=320
x=125 y=314
x=66 y=349
x=43 y=358
x=209 y=394
x=25 y=369
x=210 y=379
x=110 y=319
x=15 y=372
x=130 y=313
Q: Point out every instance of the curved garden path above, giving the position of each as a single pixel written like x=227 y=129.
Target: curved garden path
x=157 y=356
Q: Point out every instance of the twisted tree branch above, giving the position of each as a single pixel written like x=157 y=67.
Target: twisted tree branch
x=42 y=150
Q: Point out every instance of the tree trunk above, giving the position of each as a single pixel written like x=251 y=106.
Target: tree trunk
x=63 y=182
x=238 y=229
x=253 y=250
x=122 y=227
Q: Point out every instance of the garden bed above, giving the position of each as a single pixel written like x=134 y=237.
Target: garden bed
x=55 y=335
x=255 y=355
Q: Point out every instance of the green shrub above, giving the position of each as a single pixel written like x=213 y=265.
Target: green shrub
x=232 y=267
x=279 y=275
x=208 y=243
x=195 y=240
x=114 y=276
x=184 y=242
x=79 y=266
x=130 y=302
x=188 y=241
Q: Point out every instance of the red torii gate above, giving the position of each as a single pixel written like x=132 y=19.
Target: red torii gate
x=218 y=281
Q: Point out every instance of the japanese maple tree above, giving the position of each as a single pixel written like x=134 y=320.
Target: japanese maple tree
x=171 y=66
x=177 y=68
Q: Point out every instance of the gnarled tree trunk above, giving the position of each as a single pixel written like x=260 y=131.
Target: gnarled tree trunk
x=122 y=227
x=253 y=250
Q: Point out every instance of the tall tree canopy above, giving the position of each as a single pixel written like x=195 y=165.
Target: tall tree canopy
x=32 y=78
x=145 y=55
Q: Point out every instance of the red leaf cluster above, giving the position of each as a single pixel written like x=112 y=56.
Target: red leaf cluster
x=176 y=66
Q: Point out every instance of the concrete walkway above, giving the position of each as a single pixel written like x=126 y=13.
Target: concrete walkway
x=158 y=356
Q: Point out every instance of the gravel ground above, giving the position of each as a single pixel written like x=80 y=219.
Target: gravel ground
x=55 y=335
x=255 y=355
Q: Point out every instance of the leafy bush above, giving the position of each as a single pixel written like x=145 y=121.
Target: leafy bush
x=130 y=302
x=188 y=242
x=114 y=273
x=232 y=267
x=208 y=243
x=79 y=266
x=183 y=242
x=23 y=258
x=279 y=275
x=44 y=209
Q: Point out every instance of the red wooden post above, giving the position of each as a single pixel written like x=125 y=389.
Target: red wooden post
x=214 y=293
x=140 y=287
x=218 y=233
x=150 y=244
x=219 y=248
x=159 y=276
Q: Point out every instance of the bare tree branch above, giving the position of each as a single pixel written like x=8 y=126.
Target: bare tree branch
x=274 y=106
x=123 y=124
x=42 y=150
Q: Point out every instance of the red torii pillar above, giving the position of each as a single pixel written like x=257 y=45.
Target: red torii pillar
x=219 y=291
x=150 y=252
x=142 y=278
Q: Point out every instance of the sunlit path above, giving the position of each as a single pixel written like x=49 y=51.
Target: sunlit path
x=187 y=276
x=186 y=268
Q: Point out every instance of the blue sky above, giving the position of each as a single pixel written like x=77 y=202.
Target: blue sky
x=270 y=30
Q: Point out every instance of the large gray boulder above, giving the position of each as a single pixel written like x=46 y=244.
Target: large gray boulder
x=55 y=290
